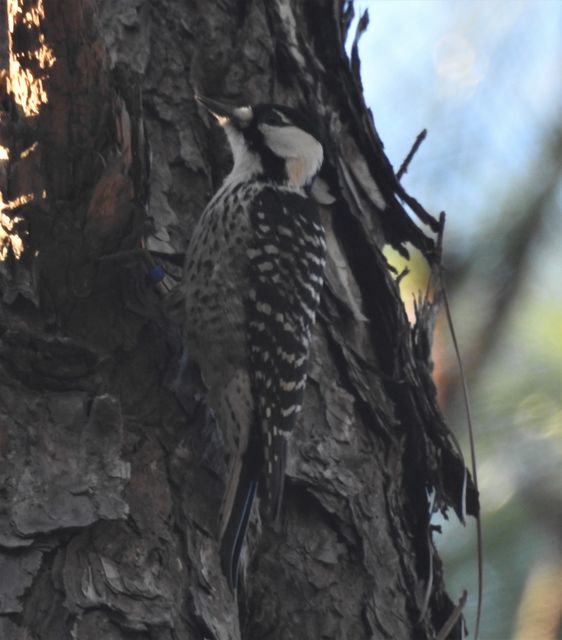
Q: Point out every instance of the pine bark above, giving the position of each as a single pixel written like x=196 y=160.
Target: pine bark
x=110 y=486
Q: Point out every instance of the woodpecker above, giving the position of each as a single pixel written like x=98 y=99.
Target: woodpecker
x=252 y=284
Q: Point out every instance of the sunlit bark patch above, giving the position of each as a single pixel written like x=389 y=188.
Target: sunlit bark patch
x=10 y=241
x=29 y=55
x=27 y=62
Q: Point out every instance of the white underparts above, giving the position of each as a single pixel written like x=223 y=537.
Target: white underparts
x=246 y=163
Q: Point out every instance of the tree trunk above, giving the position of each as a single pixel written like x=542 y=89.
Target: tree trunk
x=111 y=487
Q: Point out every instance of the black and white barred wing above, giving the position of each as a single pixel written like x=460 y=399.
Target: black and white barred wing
x=286 y=260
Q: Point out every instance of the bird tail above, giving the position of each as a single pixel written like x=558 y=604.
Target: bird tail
x=237 y=515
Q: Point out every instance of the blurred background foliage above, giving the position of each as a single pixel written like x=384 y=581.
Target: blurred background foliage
x=485 y=78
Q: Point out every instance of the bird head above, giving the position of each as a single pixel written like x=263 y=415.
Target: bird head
x=269 y=141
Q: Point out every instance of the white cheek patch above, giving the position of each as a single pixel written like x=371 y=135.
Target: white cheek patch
x=302 y=151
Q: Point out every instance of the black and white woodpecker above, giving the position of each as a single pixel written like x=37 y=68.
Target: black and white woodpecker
x=253 y=277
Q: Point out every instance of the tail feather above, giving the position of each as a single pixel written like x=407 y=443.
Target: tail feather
x=244 y=452
x=236 y=525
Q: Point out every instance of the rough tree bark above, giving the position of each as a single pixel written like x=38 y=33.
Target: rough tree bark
x=110 y=490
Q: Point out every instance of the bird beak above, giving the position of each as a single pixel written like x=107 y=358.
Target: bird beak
x=225 y=114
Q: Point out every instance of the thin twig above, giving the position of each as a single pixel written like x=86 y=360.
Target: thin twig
x=404 y=167
x=446 y=628
x=154 y=270
x=122 y=256
x=470 y=426
x=361 y=28
x=405 y=271
x=429 y=585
